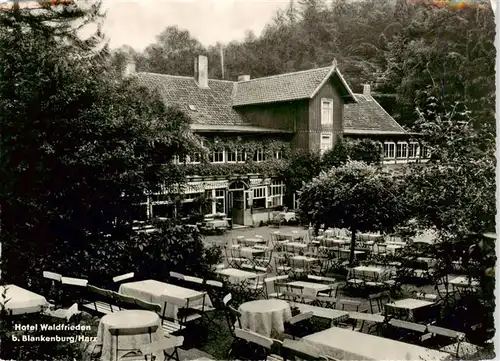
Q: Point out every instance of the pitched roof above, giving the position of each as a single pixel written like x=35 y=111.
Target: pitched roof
x=287 y=87
x=211 y=106
x=368 y=117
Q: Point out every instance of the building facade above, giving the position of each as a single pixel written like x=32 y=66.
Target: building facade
x=251 y=125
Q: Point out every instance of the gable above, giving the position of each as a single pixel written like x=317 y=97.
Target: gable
x=289 y=87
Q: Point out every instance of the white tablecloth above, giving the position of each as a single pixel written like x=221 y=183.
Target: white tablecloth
x=294 y=246
x=369 y=273
x=288 y=216
x=310 y=288
x=236 y=276
x=127 y=319
x=151 y=291
x=21 y=301
x=266 y=317
x=343 y=344
x=249 y=252
x=254 y=240
x=405 y=309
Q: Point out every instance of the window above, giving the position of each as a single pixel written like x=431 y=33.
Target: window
x=278 y=154
x=413 y=150
x=219 y=201
x=175 y=159
x=276 y=191
x=326 y=112
x=235 y=156
x=259 y=197
x=389 y=150
x=194 y=158
x=402 y=150
x=191 y=197
x=259 y=155
x=218 y=156
x=426 y=152
x=326 y=142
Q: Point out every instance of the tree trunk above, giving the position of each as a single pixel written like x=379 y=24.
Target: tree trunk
x=353 y=245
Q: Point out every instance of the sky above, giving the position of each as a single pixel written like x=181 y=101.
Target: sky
x=138 y=22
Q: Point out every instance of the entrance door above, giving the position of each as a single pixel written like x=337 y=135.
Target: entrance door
x=238 y=207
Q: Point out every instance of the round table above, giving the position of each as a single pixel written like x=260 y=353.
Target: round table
x=127 y=319
x=265 y=317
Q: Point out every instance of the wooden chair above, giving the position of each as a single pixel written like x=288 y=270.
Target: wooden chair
x=256 y=286
x=117 y=332
x=53 y=291
x=254 y=346
x=176 y=278
x=294 y=293
x=171 y=343
x=293 y=349
x=232 y=314
x=325 y=301
x=378 y=300
x=264 y=264
x=272 y=281
x=123 y=277
x=281 y=266
x=172 y=323
x=296 y=326
x=72 y=290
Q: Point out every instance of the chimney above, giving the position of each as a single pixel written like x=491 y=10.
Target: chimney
x=244 y=78
x=201 y=71
x=366 y=89
x=129 y=68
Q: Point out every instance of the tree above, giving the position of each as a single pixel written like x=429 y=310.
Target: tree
x=454 y=196
x=355 y=196
x=173 y=53
x=302 y=169
x=363 y=150
x=77 y=150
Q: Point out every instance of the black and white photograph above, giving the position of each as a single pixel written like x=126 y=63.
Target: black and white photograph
x=263 y=180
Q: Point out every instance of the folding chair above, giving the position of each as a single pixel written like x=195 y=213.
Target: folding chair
x=53 y=292
x=377 y=302
x=123 y=277
x=127 y=331
x=233 y=316
x=296 y=326
x=299 y=267
x=294 y=293
x=445 y=332
x=176 y=278
x=166 y=344
x=73 y=290
x=281 y=289
x=272 y=281
x=281 y=266
x=293 y=350
x=148 y=306
x=264 y=264
x=253 y=346
x=325 y=301
x=181 y=315
x=256 y=286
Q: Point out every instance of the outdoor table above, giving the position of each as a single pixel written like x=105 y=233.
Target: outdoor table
x=369 y=273
x=294 y=245
x=357 y=254
x=249 y=252
x=407 y=308
x=431 y=262
x=463 y=282
x=343 y=344
x=398 y=243
x=288 y=216
x=254 y=240
x=305 y=258
x=236 y=276
x=124 y=320
x=265 y=317
x=370 y=236
x=310 y=288
x=151 y=291
x=20 y=301
x=217 y=223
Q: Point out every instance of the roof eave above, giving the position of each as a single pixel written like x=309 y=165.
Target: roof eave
x=208 y=128
x=374 y=132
